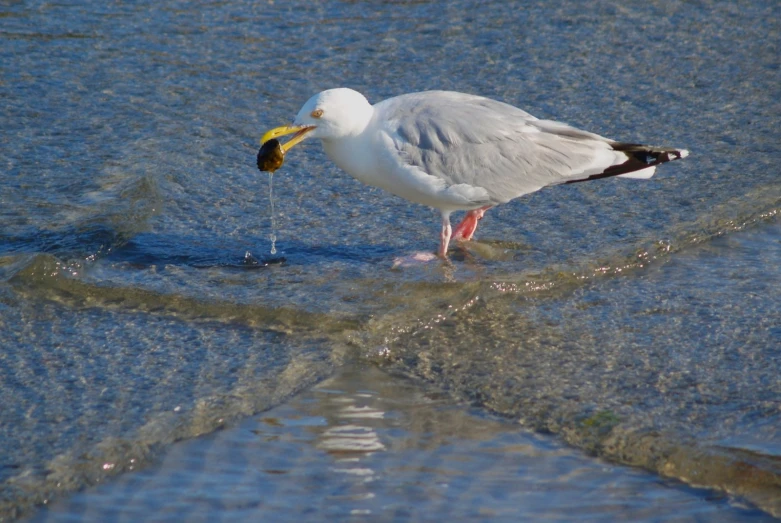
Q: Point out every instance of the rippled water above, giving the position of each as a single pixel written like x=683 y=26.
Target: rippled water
x=635 y=320
x=366 y=445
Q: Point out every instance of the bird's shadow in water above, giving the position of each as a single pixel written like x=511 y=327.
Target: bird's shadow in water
x=150 y=249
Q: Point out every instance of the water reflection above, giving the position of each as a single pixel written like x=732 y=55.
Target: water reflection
x=366 y=444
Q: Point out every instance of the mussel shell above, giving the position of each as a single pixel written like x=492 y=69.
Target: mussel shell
x=271 y=156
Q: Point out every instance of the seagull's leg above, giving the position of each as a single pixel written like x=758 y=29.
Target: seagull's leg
x=468 y=225
x=444 y=236
x=422 y=257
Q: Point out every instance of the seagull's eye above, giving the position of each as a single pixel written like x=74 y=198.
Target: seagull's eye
x=317 y=113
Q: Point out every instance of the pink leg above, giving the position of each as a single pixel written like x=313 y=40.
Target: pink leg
x=444 y=236
x=468 y=225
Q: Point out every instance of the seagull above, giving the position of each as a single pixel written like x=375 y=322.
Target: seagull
x=459 y=152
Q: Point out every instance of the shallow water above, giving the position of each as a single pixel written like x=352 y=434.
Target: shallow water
x=369 y=446
x=635 y=320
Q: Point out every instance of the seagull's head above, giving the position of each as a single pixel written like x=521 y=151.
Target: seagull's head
x=329 y=115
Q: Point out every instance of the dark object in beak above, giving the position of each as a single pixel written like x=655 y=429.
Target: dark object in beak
x=271 y=156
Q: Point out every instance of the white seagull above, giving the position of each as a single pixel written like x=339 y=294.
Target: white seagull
x=460 y=152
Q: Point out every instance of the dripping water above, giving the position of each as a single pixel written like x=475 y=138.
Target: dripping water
x=273 y=235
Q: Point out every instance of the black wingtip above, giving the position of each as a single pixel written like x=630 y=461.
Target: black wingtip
x=649 y=156
x=638 y=157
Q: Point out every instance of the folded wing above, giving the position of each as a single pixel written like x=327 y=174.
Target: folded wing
x=465 y=139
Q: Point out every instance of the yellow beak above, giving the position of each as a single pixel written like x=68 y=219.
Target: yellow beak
x=299 y=130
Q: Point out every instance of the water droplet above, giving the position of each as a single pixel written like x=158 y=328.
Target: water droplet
x=249 y=259
x=273 y=235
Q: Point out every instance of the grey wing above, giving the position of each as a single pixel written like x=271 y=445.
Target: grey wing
x=480 y=142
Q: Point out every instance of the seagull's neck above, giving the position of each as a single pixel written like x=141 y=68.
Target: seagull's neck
x=352 y=155
x=351 y=150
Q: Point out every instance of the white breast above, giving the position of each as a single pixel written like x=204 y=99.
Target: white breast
x=376 y=162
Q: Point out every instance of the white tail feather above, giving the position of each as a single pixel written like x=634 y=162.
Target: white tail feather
x=642 y=174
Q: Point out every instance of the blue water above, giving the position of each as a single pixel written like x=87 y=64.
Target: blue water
x=367 y=445
x=633 y=321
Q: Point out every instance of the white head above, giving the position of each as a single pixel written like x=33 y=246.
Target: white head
x=330 y=115
x=335 y=113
